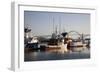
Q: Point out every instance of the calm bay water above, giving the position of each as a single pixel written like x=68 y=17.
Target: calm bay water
x=78 y=53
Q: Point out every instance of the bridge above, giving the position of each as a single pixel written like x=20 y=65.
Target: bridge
x=75 y=33
x=84 y=38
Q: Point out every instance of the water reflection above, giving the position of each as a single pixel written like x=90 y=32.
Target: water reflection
x=76 y=53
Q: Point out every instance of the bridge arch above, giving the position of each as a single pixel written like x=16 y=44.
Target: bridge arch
x=74 y=33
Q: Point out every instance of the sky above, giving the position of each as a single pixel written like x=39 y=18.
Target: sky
x=44 y=23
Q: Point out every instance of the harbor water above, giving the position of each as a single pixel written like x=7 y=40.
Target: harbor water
x=77 y=53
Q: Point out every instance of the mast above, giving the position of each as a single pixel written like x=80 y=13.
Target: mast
x=59 y=25
x=53 y=24
x=56 y=29
x=63 y=28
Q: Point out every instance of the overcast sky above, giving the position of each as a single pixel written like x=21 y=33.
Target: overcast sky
x=41 y=23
